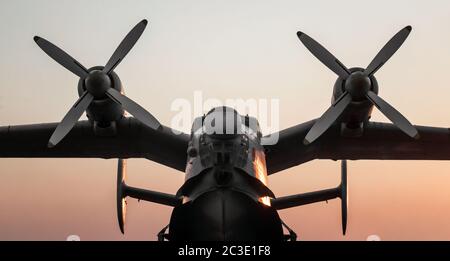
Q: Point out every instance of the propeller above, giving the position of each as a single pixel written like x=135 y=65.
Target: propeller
x=98 y=83
x=357 y=85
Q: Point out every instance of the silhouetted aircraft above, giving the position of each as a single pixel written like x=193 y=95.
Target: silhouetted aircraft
x=225 y=195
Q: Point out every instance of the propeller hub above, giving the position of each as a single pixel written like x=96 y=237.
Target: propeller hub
x=97 y=83
x=358 y=84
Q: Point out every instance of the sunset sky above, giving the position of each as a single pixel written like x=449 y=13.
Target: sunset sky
x=226 y=49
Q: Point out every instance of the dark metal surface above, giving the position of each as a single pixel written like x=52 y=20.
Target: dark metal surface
x=225 y=215
x=133 y=140
x=378 y=141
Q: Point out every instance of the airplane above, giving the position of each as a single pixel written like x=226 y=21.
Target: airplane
x=225 y=195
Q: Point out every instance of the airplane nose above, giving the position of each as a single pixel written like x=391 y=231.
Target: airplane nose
x=222 y=176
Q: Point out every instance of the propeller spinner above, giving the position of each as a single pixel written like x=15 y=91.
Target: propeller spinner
x=357 y=85
x=98 y=83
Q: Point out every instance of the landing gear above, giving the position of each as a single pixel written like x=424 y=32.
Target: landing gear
x=292 y=236
x=162 y=235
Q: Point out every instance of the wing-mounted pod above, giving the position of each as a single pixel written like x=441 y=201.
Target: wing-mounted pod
x=121 y=197
x=343 y=195
x=124 y=191
x=318 y=196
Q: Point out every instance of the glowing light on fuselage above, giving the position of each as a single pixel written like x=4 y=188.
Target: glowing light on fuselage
x=259 y=166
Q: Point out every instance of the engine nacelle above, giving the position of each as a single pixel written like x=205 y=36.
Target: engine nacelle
x=103 y=111
x=357 y=112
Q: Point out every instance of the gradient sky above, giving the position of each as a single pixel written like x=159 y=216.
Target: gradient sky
x=227 y=49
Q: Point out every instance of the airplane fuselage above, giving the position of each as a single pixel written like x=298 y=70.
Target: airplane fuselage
x=225 y=194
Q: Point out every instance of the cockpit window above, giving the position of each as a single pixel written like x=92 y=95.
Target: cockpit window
x=222 y=121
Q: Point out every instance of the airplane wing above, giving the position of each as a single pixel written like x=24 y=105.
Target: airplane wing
x=132 y=140
x=382 y=141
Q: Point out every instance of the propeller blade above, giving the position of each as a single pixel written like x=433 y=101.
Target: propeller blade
x=328 y=118
x=388 y=50
x=392 y=114
x=61 y=57
x=133 y=108
x=70 y=119
x=125 y=46
x=324 y=55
